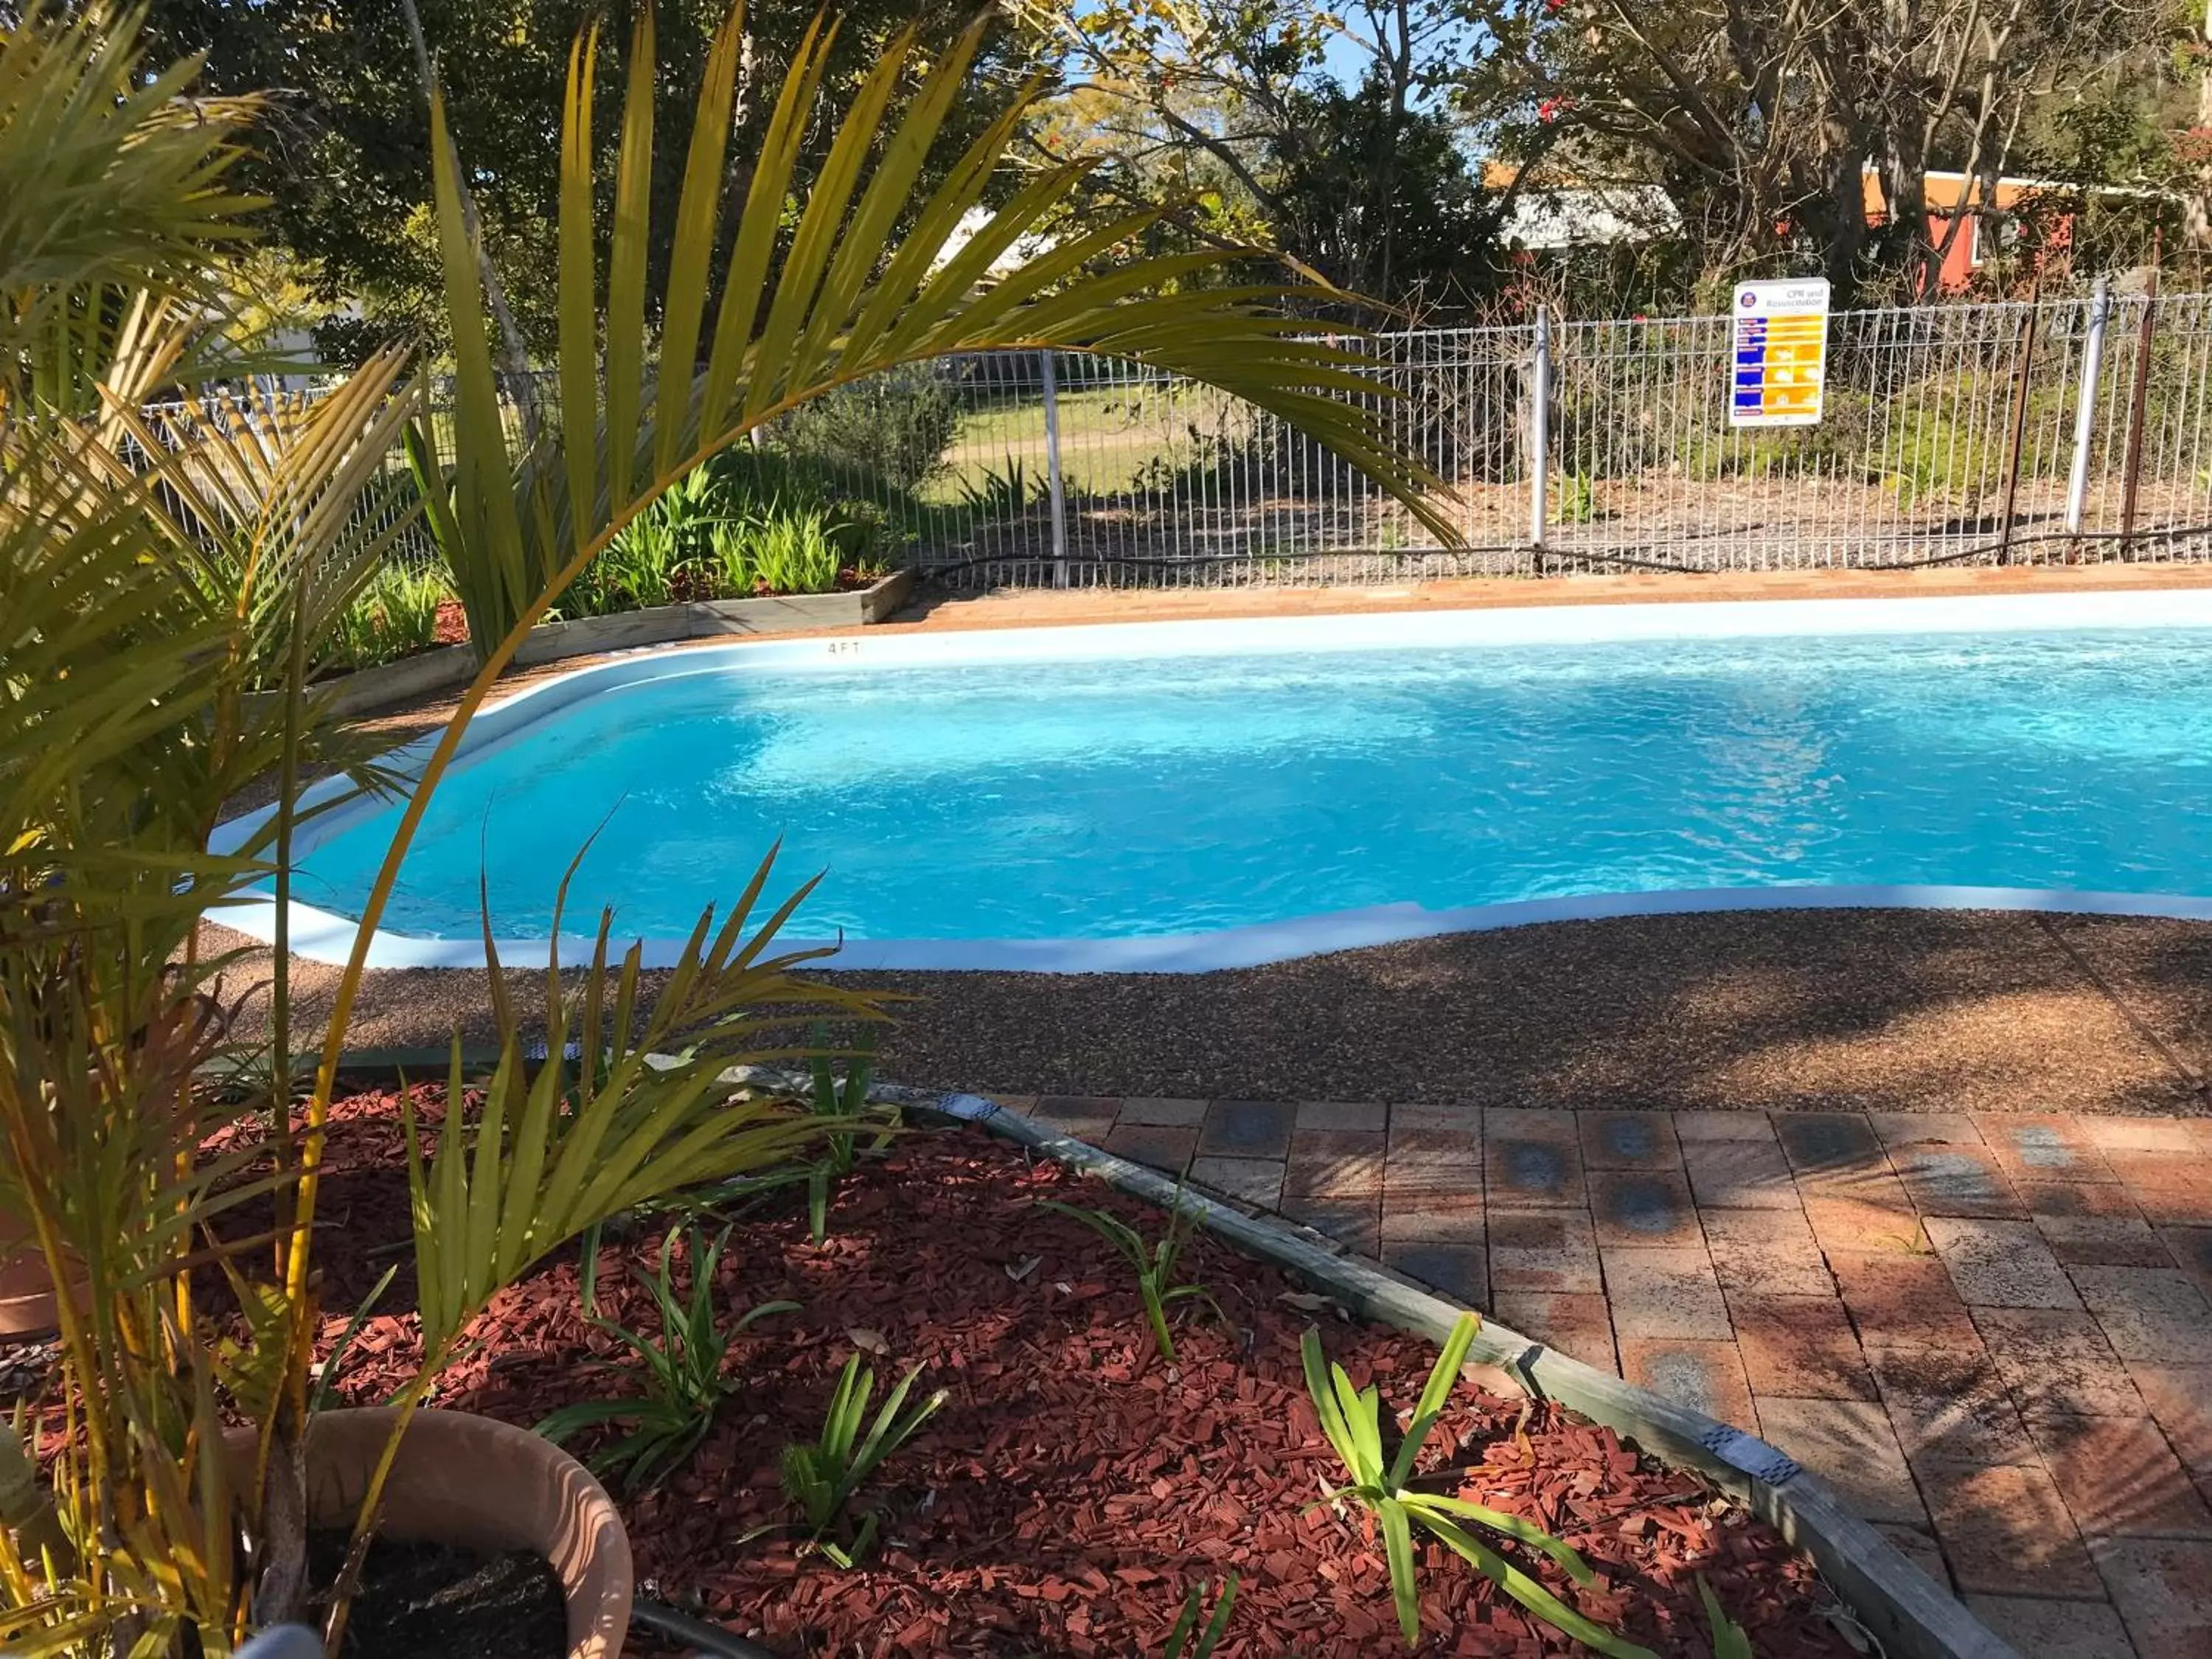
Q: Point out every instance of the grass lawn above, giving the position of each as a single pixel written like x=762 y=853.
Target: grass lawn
x=1107 y=437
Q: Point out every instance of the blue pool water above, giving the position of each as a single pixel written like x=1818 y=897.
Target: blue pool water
x=1118 y=798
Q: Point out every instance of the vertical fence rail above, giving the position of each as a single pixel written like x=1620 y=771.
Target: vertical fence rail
x=2073 y=430
x=1539 y=432
x=1055 y=487
x=2085 y=407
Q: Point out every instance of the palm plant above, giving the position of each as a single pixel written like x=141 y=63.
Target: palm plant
x=1352 y=1420
x=843 y=297
x=148 y=587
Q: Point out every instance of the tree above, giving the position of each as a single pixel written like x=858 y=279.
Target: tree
x=341 y=150
x=1706 y=100
x=1234 y=105
x=1760 y=116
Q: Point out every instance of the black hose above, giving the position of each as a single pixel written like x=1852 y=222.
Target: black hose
x=695 y=1632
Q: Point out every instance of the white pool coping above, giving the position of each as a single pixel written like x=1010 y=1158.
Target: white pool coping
x=321 y=936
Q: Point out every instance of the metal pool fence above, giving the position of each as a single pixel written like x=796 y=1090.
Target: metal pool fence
x=2067 y=431
x=2062 y=431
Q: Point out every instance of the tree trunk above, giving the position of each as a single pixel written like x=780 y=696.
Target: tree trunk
x=2196 y=204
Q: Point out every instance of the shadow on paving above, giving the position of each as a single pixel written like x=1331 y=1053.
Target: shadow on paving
x=1880 y=1010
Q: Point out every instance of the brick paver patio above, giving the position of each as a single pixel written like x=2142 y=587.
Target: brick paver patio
x=1992 y=1335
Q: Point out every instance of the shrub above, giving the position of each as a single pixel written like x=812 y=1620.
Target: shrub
x=640 y=566
x=871 y=534
x=892 y=430
x=789 y=550
x=395 y=614
x=747 y=522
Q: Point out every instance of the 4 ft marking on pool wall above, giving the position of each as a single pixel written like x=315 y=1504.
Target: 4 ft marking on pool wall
x=844 y=647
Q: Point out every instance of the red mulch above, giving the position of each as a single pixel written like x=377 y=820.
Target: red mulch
x=1073 y=1487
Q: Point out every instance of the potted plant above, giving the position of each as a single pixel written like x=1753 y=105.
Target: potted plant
x=150 y=583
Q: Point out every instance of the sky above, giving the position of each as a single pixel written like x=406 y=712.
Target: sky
x=1345 y=60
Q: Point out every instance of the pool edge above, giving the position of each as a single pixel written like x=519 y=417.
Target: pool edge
x=319 y=936
x=322 y=936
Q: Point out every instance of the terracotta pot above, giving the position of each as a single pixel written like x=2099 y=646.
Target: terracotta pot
x=464 y=1479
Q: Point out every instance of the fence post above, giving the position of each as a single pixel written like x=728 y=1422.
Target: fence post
x=1052 y=469
x=2024 y=368
x=2138 y=412
x=1539 y=432
x=2085 y=406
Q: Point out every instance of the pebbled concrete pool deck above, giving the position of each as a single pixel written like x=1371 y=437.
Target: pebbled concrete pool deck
x=1879 y=1010
x=1992 y=1335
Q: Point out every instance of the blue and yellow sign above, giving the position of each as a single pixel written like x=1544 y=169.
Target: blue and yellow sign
x=1780 y=353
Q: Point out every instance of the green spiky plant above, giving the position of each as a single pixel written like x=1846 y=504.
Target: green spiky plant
x=1154 y=1264
x=822 y=1478
x=795 y=550
x=126 y=727
x=393 y=616
x=840 y=1105
x=685 y=1386
x=1187 y=1640
x=1352 y=1418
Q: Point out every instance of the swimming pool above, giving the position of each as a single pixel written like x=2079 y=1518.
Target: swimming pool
x=1189 y=795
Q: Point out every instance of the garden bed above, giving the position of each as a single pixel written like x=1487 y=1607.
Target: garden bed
x=1073 y=1487
x=445 y=667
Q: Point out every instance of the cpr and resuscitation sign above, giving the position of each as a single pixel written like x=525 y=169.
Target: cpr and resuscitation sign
x=1781 y=353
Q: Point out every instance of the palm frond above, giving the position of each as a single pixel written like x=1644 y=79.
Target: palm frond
x=284 y=504
x=75 y=229
x=646 y=1113
x=836 y=298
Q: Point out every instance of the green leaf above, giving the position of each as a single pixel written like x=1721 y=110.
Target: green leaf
x=1363 y=1411
x=1186 y=1623
x=1730 y=1641
x=1512 y=1525
x=1115 y=1231
x=1531 y=1594
x=1325 y=1405
x=1405 y=1586
x=1443 y=1375
x=325 y=1394
x=564 y=1424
